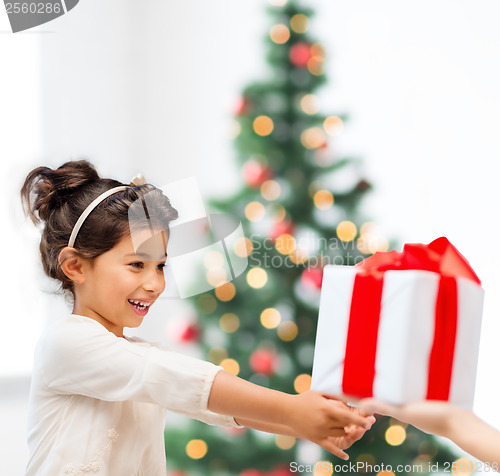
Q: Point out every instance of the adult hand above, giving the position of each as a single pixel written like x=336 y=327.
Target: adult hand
x=429 y=416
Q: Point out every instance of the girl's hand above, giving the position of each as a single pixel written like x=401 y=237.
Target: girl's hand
x=327 y=422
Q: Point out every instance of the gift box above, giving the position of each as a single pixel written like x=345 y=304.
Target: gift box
x=400 y=327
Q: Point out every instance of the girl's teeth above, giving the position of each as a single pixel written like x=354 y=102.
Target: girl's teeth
x=139 y=304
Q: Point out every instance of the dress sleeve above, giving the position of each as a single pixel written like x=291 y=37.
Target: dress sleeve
x=212 y=418
x=85 y=359
x=206 y=416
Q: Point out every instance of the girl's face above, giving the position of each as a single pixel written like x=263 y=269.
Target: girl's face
x=121 y=285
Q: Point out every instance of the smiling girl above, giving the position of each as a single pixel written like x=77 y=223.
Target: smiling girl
x=98 y=399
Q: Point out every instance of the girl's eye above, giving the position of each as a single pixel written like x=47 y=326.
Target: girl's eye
x=137 y=264
x=161 y=266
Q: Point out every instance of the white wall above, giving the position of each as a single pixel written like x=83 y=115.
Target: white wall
x=150 y=86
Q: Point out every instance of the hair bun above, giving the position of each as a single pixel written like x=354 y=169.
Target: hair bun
x=44 y=188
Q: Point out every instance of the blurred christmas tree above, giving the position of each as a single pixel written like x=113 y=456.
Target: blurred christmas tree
x=299 y=208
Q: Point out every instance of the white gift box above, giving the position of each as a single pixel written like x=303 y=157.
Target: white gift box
x=405 y=335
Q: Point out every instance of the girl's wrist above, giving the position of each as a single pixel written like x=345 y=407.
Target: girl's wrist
x=288 y=410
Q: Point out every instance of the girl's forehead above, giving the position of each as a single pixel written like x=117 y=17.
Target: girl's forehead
x=147 y=244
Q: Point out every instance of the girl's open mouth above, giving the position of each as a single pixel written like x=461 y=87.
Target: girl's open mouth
x=140 y=307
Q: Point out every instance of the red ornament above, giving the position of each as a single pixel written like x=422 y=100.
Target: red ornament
x=252 y=472
x=263 y=361
x=243 y=106
x=190 y=333
x=282 y=227
x=255 y=173
x=300 y=54
x=312 y=278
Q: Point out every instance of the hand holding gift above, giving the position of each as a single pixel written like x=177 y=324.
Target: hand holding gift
x=400 y=327
x=441 y=418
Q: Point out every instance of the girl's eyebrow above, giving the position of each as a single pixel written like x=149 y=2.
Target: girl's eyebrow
x=143 y=256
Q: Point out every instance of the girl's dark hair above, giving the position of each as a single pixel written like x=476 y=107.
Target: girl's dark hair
x=57 y=198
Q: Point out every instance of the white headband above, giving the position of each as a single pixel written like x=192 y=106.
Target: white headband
x=137 y=180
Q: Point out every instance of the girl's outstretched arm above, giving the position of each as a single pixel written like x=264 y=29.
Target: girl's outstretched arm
x=461 y=426
x=308 y=415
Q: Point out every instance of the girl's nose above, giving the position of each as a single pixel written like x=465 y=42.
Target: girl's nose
x=154 y=282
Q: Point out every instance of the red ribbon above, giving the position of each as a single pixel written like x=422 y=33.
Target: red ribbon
x=441 y=257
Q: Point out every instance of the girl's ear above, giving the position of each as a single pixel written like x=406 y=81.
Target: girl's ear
x=72 y=264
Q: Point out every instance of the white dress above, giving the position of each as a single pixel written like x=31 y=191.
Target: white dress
x=98 y=401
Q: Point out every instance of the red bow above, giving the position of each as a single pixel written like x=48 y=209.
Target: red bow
x=440 y=257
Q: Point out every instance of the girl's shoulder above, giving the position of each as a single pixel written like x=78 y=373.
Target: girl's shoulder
x=73 y=325
x=75 y=340
x=74 y=330
x=71 y=332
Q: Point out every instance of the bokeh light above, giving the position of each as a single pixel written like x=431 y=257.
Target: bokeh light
x=243 y=247
x=216 y=277
x=263 y=125
x=285 y=244
x=299 y=23
x=395 y=435
x=315 y=65
x=346 y=230
x=310 y=104
x=462 y=467
x=226 y=292
x=333 y=125
x=257 y=278
x=270 y=318
x=367 y=228
x=231 y=366
x=279 y=34
x=255 y=211
x=229 y=322
x=312 y=138
x=213 y=260
x=196 y=449
x=323 y=199
x=322 y=468
x=302 y=383
x=285 y=442
x=287 y=331
x=371 y=239
x=270 y=190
